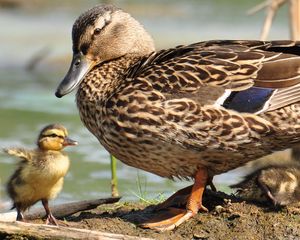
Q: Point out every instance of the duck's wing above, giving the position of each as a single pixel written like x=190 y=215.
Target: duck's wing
x=247 y=76
x=21 y=153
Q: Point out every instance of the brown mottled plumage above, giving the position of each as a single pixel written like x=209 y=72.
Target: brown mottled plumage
x=41 y=171
x=279 y=184
x=192 y=111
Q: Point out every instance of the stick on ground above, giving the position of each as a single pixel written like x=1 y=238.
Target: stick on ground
x=42 y=231
x=62 y=210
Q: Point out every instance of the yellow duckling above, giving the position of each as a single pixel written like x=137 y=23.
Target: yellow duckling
x=41 y=172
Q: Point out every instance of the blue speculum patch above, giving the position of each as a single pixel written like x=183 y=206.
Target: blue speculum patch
x=251 y=100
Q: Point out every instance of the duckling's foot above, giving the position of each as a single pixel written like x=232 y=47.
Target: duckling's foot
x=51 y=220
x=20 y=216
x=175 y=216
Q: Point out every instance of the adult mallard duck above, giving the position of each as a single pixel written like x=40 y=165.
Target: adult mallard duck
x=41 y=172
x=192 y=111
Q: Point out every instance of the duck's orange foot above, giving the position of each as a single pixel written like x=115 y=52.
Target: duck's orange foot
x=178 y=199
x=168 y=219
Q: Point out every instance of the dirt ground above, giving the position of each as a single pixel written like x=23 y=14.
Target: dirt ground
x=228 y=218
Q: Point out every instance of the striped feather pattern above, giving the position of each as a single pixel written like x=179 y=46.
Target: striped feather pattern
x=169 y=112
x=232 y=65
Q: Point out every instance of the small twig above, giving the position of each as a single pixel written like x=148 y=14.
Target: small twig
x=114 y=178
x=295 y=19
x=268 y=23
x=258 y=7
x=271 y=12
x=272 y=6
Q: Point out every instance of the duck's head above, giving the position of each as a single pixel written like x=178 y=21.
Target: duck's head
x=54 y=137
x=101 y=34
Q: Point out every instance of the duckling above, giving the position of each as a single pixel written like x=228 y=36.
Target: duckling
x=295 y=154
x=41 y=171
x=279 y=184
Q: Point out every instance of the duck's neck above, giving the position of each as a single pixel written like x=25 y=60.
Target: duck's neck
x=97 y=88
x=103 y=80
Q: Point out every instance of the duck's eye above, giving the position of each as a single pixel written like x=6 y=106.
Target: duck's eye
x=97 y=31
x=77 y=62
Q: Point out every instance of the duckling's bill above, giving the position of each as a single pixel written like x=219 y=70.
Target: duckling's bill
x=80 y=66
x=69 y=142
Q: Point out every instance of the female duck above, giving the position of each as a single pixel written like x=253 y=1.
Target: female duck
x=41 y=171
x=191 y=111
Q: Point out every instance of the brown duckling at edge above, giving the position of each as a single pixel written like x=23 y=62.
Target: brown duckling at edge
x=279 y=184
x=41 y=171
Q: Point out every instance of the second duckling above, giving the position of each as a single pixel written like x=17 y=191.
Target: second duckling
x=41 y=172
x=279 y=184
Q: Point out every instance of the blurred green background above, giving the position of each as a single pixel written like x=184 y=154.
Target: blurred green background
x=35 y=52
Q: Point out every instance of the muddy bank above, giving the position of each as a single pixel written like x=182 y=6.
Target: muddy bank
x=228 y=218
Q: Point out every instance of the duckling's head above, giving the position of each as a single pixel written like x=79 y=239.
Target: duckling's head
x=54 y=137
x=281 y=184
x=101 y=34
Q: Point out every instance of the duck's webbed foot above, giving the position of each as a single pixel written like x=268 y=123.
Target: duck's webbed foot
x=172 y=217
x=178 y=199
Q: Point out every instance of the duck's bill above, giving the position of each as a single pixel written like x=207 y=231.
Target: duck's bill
x=78 y=69
x=69 y=142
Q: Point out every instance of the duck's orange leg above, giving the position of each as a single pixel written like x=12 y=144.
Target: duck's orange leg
x=174 y=217
x=180 y=198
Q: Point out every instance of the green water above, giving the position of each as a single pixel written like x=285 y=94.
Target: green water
x=27 y=100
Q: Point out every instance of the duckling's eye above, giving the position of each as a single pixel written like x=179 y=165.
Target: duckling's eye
x=97 y=31
x=53 y=135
